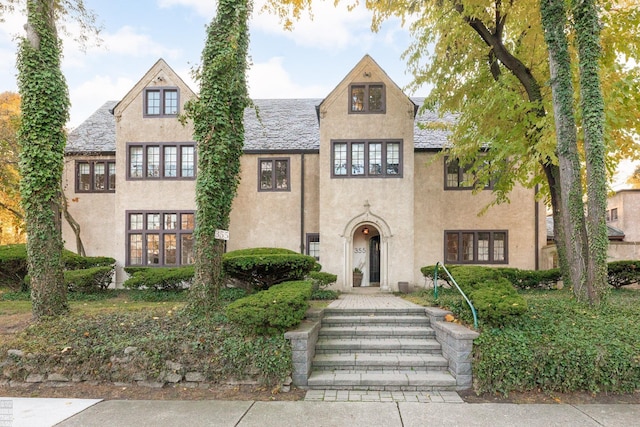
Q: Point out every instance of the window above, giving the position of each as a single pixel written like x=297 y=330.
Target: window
x=475 y=247
x=160 y=238
x=457 y=177
x=367 y=159
x=367 y=98
x=161 y=161
x=97 y=176
x=614 y=214
x=161 y=102
x=273 y=175
x=313 y=245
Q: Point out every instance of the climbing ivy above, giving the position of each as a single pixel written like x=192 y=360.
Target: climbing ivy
x=45 y=110
x=585 y=22
x=217 y=116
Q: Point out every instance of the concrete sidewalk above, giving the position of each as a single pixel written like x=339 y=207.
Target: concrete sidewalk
x=60 y=412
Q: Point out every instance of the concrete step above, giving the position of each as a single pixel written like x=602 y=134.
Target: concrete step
x=380 y=361
x=389 y=345
x=407 y=311
x=335 y=320
x=368 y=380
x=375 y=332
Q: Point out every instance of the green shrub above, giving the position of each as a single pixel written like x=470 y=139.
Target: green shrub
x=88 y=280
x=324 y=294
x=497 y=301
x=429 y=272
x=321 y=279
x=623 y=273
x=13 y=266
x=76 y=262
x=271 y=311
x=265 y=267
x=14 y=269
x=161 y=278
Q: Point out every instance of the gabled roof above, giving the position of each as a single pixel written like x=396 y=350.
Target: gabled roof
x=612 y=232
x=97 y=134
x=280 y=125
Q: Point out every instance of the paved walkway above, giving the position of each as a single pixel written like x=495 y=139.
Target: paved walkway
x=370 y=298
x=121 y=413
x=382 y=396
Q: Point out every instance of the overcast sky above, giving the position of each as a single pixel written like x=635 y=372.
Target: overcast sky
x=305 y=63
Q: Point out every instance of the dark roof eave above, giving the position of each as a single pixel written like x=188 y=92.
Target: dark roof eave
x=89 y=153
x=283 y=151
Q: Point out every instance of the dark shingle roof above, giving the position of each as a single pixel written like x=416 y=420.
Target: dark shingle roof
x=612 y=232
x=280 y=124
x=96 y=134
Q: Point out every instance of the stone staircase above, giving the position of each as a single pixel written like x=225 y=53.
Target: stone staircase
x=378 y=349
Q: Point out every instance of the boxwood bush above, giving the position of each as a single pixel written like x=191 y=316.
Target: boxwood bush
x=271 y=311
x=89 y=280
x=160 y=279
x=265 y=267
x=623 y=273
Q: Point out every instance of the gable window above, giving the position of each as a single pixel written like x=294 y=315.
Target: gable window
x=160 y=238
x=475 y=247
x=97 y=176
x=367 y=98
x=161 y=102
x=161 y=161
x=313 y=245
x=366 y=159
x=457 y=177
x=273 y=174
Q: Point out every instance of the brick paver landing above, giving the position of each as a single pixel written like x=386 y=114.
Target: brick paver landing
x=370 y=299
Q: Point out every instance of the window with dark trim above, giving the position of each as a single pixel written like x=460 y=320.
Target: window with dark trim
x=96 y=176
x=160 y=238
x=614 y=214
x=367 y=98
x=457 y=177
x=161 y=102
x=366 y=159
x=313 y=245
x=161 y=161
x=273 y=174
x=476 y=247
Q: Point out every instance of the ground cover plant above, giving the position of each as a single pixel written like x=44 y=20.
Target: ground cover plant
x=124 y=333
x=557 y=346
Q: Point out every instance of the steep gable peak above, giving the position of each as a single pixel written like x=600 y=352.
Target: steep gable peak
x=160 y=74
x=365 y=71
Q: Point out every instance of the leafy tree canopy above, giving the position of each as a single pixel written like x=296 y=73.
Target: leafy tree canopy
x=11 y=216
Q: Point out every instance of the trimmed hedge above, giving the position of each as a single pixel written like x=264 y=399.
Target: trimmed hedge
x=271 y=311
x=265 y=267
x=493 y=295
x=89 y=279
x=623 y=273
x=161 y=278
x=14 y=268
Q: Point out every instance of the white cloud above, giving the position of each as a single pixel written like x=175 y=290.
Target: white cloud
x=206 y=8
x=91 y=94
x=328 y=28
x=270 y=80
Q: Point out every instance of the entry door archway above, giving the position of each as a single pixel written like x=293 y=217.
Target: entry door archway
x=374 y=261
x=353 y=232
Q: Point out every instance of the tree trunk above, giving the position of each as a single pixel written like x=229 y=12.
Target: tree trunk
x=218 y=116
x=45 y=106
x=587 y=28
x=75 y=226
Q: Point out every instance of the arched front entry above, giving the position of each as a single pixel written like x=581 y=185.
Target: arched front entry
x=366 y=242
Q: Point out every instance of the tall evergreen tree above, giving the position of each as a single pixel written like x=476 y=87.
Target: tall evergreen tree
x=217 y=116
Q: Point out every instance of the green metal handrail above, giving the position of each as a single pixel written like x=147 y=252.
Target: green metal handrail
x=435 y=292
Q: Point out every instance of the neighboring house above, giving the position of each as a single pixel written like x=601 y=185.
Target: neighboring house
x=350 y=179
x=623 y=229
